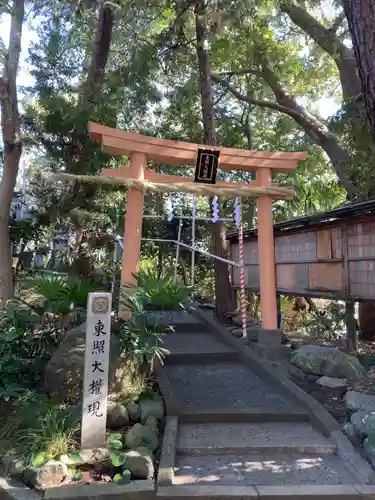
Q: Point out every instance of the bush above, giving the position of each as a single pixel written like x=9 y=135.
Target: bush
x=61 y=294
x=159 y=292
x=24 y=350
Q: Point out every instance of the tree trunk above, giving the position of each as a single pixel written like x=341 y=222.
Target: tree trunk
x=361 y=20
x=10 y=124
x=225 y=297
x=366 y=313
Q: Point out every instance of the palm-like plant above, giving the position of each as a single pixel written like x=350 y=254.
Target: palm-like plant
x=159 y=292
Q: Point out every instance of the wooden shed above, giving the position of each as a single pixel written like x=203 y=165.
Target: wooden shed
x=330 y=254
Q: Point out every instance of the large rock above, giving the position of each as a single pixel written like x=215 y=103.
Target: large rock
x=358 y=401
x=64 y=371
x=363 y=422
x=151 y=408
x=117 y=415
x=51 y=474
x=327 y=361
x=140 y=463
x=369 y=447
x=141 y=436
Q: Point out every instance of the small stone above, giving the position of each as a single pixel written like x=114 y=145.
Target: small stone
x=117 y=416
x=337 y=385
x=13 y=465
x=51 y=474
x=237 y=333
x=310 y=377
x=140 y=463
x=358 y=401
x=89 y=456
x=134 y=411
x=151 y=407
x=350 y=432
x=152 y=423
x=141 y=436
x=332 y=382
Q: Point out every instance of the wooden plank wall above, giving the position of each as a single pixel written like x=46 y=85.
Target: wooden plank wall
x=318 y=262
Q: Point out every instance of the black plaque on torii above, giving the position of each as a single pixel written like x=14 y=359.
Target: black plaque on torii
x=206 y=166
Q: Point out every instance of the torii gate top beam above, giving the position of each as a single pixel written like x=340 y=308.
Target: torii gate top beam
x=120 y=142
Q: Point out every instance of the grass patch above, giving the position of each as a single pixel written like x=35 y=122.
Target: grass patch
x=38 y=426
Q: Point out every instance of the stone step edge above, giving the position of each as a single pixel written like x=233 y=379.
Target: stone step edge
x=225 y=416
x=306 y=491
x=293 y=450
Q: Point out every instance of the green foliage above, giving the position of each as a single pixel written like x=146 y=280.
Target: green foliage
x=123 y=478
x=118 y=459
x=24 y=351
x=159 y=292
x=72 y=458
x=40 y=431
x=114 y=441
x=61 y=294
x=330 y=323
x=140 y=342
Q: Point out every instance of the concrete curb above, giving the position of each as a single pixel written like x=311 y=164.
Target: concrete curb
x=319 y=416
x=208 y=492
x=168 y=453
x=303 y=492
x=11 y=489
x=166 y=390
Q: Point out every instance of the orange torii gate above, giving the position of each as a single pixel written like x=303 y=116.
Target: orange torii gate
x=138 y=178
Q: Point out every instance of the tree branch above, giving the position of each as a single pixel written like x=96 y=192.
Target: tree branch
x=313 y=127
x=329 y=42
x=295 y=114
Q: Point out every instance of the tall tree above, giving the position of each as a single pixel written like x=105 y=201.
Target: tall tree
x=10 y=124
x=225 y=298
x=361 y=21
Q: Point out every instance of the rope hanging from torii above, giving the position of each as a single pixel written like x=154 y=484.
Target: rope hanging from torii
x=239 y=225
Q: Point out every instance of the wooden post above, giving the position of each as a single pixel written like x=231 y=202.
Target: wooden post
x=133 y=221
x=266 y=252
x=95 y=380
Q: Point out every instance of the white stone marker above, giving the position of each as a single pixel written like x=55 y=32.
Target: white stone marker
x=95 y=380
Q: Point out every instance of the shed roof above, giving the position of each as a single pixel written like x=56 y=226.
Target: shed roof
x=345 y=211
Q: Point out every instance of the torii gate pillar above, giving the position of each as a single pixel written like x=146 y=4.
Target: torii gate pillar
x=266 y=253
x=133 y=221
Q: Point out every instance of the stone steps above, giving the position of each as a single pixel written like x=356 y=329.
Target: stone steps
x=237 y=436
x=223 y=386
x=262 y=469
x=223 y=438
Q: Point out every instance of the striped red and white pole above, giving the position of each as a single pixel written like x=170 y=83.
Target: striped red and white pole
x=242 y=282
x=238 y=219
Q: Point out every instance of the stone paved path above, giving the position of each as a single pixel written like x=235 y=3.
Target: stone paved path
x=237 y=436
